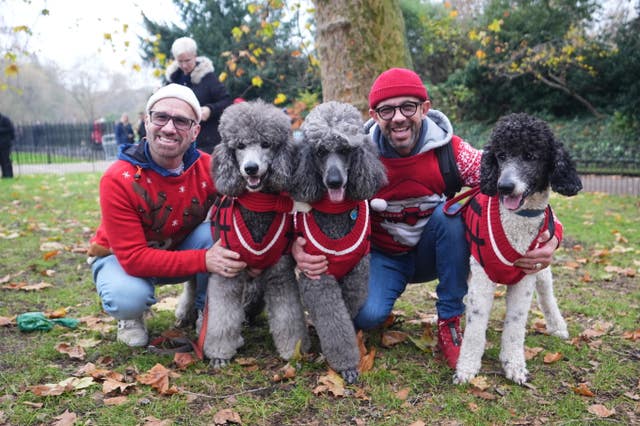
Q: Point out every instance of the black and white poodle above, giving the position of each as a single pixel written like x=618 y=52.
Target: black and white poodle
x=521 y=164
x=252 y=167
x=338 y=171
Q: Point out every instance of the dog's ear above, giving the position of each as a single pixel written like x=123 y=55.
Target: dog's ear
x=489 y=172
x=226 y=172
x=282 y=167
x=366 y=173
x=564 y=178
x=307 y=180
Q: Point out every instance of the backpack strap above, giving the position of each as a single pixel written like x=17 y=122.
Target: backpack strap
x=449 y=169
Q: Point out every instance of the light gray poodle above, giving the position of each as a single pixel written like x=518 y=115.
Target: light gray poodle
x=338 y=171
x=521 y=164
x=252 y=167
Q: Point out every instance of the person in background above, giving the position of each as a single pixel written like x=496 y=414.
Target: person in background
x=7 y=136
x=412 y=240
x=153 y=201
x=124 y=131
x=197 y=73
x=140 y=128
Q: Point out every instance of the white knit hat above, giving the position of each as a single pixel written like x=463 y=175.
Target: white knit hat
x=179 y=92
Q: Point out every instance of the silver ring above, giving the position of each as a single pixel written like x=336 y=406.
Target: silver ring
x=538 y=265
x=226 y=269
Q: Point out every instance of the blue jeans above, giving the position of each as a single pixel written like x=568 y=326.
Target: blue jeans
x=127 y=297
x=442 y=253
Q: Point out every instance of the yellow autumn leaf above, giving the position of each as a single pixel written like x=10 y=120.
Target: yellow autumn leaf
x=256 y=81
x=21 y=28
x=107 y=36
x=280 y=99
x=136 y=67
x=223 y=76
x=11 y=70
x=495 y=25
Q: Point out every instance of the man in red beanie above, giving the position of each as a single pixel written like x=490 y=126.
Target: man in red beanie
x=412 y=239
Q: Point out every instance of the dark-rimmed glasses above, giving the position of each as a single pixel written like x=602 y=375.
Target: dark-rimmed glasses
x=162 y=118
x=408 y=109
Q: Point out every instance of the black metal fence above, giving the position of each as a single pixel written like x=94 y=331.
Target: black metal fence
x=47 y=143
x=58 y=143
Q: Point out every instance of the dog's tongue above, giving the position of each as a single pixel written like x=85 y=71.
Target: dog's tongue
x=336 y=195
x=253 y=181
x=512 y=202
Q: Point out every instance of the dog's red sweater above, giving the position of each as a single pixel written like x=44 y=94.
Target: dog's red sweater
x=235 y=234
x=489 y=244
x=343 y=254
x=145 y=216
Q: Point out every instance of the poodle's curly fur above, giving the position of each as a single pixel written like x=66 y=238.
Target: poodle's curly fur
x=336 y=156
x=255 y=154
x=522 y=162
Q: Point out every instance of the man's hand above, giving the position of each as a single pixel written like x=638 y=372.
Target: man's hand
x=539 y=258
x=223 y=261
x=205 y=111
x=311 y=265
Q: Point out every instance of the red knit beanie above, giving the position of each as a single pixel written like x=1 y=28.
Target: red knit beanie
x=396 y=82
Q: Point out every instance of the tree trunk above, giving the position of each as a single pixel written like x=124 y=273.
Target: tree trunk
x=356 y=40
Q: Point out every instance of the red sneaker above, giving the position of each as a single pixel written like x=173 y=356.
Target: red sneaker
x=450 y=339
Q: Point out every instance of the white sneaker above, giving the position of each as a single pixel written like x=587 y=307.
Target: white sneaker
x=199 y=321
x=133 y=332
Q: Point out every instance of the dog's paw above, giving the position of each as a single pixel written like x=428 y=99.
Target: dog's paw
x=219 y=363
x=515 y=372
x=462 y=377
x=350 y=375
x=561 y=333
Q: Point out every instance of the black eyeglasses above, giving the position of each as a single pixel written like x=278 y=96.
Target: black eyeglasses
x=408 y=109
x=161 y=119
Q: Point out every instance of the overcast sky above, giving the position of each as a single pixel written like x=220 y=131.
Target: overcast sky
x=74 y=29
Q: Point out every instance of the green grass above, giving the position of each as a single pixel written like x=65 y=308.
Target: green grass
x=602 y=233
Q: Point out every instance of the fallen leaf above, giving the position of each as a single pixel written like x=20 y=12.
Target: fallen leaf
x=5 y=279
x=74 y=352
x=5 y=321
x=480 y=382
x=227 y=416
x=51 y=246
x=600 y=410
x=473 y=407
x=391 y=338
x=583 y=389
x=48 y=255
x=631 y=335
x=116 y=400
x=58 y=313
x=111 y=385
x=403 y=394
x=418 y=423
x=76 y=383
x=152 y=421
x=33 y=404
x=88 y=343
x=482 y=394
x=286 y=372
x=65 y=419
x=332 y=383
x=49 y=389
x=367 y=358
x=158 y=378
x=182 y=360
x=550 y=358
x=530 y=353
x=427 y=340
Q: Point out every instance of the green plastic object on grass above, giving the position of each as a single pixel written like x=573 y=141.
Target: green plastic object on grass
x=34 y=321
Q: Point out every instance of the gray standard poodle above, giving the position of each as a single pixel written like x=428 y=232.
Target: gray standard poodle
x=521 y=164
x=338 y=171
x=252 y=167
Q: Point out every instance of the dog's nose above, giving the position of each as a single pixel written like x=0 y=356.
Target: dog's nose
x=506 y=186
x=251 y=168
x=334 y=178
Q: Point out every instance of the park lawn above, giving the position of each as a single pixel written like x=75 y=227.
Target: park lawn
x=593 y=378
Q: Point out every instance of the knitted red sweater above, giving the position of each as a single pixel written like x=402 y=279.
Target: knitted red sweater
x=145 y=216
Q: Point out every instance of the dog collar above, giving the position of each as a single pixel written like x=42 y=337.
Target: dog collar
x=530 y=212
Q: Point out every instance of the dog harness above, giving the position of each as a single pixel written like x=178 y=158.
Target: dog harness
x=234 y=231
x=488 y=242
x=343 y=253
